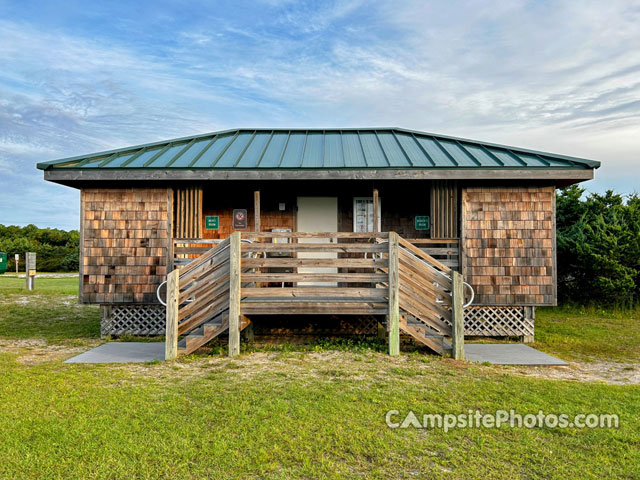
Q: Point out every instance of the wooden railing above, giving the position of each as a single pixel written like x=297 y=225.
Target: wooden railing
x=196 y=293
x=302 y=273
x=445 y=250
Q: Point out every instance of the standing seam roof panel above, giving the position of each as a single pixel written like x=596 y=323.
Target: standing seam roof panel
x=116 y=162
x=333 y=157
x=273 y=153
x=166 y=157
x=292 y=157
x=417 y=156
x=373 y=154
x=505 y=158
x=464 y=158
x=230 y=156
x=392 y=150
x=253 y=152
x=314 y=150
x=437 y=155
x=192 y=152
x=352 y=151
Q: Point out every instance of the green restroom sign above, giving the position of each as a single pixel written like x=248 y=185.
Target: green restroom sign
x=423 y=223
x=212 y=223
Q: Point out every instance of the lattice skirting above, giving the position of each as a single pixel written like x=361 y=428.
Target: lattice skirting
x=132 y=320
x=484 y=321
x=491 y=321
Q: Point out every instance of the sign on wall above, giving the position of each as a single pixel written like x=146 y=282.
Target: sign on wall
x=212 y=223
x=239 y=218
x=423 y=222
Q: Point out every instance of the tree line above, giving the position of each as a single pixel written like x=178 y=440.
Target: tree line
x=56 y=250
x=598 y=247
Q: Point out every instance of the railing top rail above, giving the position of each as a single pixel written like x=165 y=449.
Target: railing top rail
x=424 y=256
x=205 y=257
x=315 y=235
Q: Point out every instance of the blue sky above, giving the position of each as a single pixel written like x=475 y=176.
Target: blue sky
x=80 y=77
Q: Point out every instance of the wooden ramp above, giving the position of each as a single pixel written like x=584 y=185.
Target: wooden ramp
x=262 y=274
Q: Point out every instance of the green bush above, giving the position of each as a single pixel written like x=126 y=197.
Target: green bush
x=56 y=250
x=598 y=243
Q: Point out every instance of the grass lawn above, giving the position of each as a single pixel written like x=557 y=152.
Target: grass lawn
x=589 y=334
x=290 y=414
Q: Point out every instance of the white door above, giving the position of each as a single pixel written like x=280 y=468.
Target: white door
x=317 y=214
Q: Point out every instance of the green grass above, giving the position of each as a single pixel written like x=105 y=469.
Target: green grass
x=50 y=312
x=589 y=333
x=282 y=413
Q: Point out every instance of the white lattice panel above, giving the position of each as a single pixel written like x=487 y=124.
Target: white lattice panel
x=134 y=320
x=490 y=321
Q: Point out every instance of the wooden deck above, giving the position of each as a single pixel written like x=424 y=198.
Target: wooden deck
x=304 y=273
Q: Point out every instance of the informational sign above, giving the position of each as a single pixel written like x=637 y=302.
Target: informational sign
x=423 y=222
x=212 y=223
x=239 y=218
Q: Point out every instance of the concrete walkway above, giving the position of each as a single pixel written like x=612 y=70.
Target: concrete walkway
x=122 y=352
x=509 y=354
x=495 y=353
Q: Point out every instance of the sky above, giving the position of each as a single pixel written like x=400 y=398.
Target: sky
x=81 y=77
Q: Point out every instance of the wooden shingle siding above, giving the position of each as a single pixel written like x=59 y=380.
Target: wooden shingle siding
x=509 y=256
x=124 y=244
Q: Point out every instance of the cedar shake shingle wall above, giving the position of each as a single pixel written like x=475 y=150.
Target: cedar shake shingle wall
x=125 y=235
x=508 y=244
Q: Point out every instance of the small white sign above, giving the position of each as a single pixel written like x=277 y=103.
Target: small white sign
x=281 y=206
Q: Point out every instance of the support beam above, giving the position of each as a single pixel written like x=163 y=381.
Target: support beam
x=457 y=316
x=376 y=211
x=256 y=210
x=235 y=257
x=393 y=317
x=529 y=315
x=171 y=336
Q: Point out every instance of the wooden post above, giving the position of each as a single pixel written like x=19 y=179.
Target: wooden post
x=457 y=316
x=529 y=316
x=393 y=318
x=376 y=211
x=105 y=318
x=171 y=335
x=235 y=259
x=256 y=210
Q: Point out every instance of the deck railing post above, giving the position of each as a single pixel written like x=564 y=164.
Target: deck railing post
x=235 y=257
x=171 y=336
x=393 y=317
x=457 y=316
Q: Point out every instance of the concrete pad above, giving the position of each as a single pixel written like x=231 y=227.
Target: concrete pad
x=122 y=352
x=508 y=354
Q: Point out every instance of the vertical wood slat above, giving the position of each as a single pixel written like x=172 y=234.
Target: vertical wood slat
x=444 y=209
x=376 y=210
x=393 y=317
x=457 y=316
x=235 y=256
x=173 y=293
x=256 y=210
x=188 y=216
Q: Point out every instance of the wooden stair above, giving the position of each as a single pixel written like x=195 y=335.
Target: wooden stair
x=207 y=332
x=420 y=332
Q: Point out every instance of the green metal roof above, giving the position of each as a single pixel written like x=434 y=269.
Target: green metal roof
x=325 y=149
